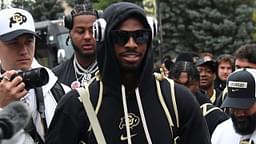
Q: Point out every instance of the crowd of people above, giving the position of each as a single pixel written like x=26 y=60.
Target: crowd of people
x=110 y=91
x=221 y=86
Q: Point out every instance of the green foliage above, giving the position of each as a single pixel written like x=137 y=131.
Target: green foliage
x=102 y=4
x=71 y=2
x=97 y=4
x=41 y=9
x=217 y=26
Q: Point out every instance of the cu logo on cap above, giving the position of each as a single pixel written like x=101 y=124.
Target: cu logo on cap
x=17 y=18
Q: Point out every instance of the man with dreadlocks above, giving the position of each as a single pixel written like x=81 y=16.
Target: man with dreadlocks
x=81 y=67
x=186 y=73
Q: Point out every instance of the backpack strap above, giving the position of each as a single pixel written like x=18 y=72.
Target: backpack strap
x=174 y=103
x=168 y=112
x=165 y=108
x=57 y=91
x=85 y=91
x=31 y=128
x=41 y=106
x=91 y=114
x=99 y=95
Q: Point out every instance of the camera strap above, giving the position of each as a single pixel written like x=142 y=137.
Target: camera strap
x=31 y=127
x=31 y=130
x=57 y=91
x=41 y=106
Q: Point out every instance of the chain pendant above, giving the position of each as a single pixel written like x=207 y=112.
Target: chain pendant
x=87 y=76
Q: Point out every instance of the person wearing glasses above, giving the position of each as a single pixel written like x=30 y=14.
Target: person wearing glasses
x=128 y=106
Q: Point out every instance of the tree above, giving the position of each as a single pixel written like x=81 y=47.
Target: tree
x=41 y=9
x=217 y=26
x=72 y=2
x=101 y=4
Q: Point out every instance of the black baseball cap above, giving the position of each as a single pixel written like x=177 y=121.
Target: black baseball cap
x=211 y=63
x=241 y=89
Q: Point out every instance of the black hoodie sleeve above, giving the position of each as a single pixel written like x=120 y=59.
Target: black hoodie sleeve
x=68 y=122
x=193 y=128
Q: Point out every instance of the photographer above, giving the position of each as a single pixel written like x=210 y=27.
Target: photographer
x=17 y=48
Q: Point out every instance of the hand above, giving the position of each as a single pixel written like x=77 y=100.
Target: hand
x=11 y=89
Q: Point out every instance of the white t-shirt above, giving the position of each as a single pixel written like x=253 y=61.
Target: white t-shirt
x=225 y=133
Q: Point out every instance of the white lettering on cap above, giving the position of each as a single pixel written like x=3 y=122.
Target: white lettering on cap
x=235 y=84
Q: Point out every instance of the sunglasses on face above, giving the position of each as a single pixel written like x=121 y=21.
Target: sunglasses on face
x=139 y=36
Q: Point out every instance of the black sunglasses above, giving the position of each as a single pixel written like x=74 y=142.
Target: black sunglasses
x=121 y=37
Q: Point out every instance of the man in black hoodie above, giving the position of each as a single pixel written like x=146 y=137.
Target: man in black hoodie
x=126 y=94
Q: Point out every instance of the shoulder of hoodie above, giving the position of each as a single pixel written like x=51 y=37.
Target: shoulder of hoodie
x=186 y=101
x=70 y=103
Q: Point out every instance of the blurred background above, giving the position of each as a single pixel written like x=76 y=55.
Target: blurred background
x=215 y=26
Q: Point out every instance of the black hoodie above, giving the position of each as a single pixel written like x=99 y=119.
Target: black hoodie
x=70 y=124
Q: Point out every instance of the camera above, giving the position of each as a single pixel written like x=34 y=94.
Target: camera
x=34 y=78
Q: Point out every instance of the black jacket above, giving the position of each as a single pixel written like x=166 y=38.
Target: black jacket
x=215 y=115
x=70 y=123
x=65 y=71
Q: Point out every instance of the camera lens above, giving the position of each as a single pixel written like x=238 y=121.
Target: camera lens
x=34 y=78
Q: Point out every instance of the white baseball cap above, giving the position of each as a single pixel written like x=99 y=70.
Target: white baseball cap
x=15 y=22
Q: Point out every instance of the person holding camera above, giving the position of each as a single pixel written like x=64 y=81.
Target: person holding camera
x=20 y=80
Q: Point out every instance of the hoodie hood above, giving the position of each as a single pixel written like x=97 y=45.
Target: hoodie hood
x=110 y=74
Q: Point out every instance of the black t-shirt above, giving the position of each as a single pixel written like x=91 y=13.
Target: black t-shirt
x=65 y=72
